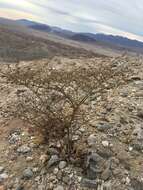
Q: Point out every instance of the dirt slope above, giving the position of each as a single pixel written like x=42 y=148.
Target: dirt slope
x=115 y=130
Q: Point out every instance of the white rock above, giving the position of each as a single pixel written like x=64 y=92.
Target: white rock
x=130 y=148
x=24 y=149
x=111 y=145
x=37 y=179
x=56 y=170
x=128 y=180
x=3 y=176
x=79 y=179
x=75 y=137
x=82 y=129
x=71 y=175
x=105 y=143
x=58 y=145
x=35 y=170
x=91 y=140
x=62 y=164
x=29 y=159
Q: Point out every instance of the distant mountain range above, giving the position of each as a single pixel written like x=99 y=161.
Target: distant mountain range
x=84 y=37
x=108 y=40
x=46 y=28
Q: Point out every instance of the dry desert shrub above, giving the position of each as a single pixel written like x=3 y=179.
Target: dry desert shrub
x=52 y=100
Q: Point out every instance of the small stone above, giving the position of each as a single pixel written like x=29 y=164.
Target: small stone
x=58 y=145
x=138 y=146
x=52 y=178
x=14 y=138
x=91 y=140
x=59 y=187
x=43 y=158
x=35 y=170
x=94 y=165
x=43 y=171
x=130 y=148
x=105 y=152
x=53 y=160
x=66 y=179
x=59 y=175
x=29 y=159
x=140 y=114
x=20 y=188
x=53 y=151
x=33 y=145
x=51 y=186
x=111 y=145
x=3 y=177
x=37 y=179
x=89 y=183
x=56 y=170
x=140 y=135
x=103 y=127
x=1 y=169
x=128 y=180
x=105 y=143
x=28 y=173
x=78 y=133
x=62 y=164
x=106 y=174
x=23 y=134
x=24 y=149
x=79 y=179
x=124 y=93
x=82 y=129
x=75 y=138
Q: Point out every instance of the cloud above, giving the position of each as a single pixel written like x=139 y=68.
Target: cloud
x=15 y=14
x=110 y=16
x=50 y=8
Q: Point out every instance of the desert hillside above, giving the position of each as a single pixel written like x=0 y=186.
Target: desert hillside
x=15 y=46
x=19 y=42
x=107 y=148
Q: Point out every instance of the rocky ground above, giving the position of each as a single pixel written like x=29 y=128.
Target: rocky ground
x=112 y=140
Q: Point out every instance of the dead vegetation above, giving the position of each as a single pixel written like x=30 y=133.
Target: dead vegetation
x=55 y=101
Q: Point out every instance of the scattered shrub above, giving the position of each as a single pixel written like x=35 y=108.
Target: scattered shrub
x=53 y=100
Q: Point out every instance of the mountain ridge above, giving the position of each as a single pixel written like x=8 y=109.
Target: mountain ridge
x=116 y=40
x=109 y=41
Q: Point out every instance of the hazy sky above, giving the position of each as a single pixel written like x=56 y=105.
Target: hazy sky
x=119 y=17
